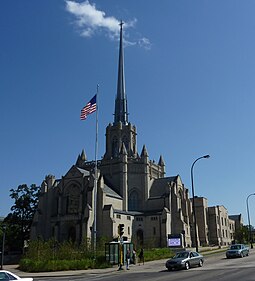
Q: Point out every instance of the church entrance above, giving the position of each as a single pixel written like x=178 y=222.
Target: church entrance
x=139 y=237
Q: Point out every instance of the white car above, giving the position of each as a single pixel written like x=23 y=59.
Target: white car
x=7 y=275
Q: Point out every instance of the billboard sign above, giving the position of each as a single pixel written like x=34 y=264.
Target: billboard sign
x=175 y=241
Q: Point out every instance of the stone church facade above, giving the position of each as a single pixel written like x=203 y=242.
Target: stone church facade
x=131 y=189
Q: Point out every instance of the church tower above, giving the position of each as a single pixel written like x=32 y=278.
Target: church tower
x=120 y=137
x=126 y=172
x=120 y=132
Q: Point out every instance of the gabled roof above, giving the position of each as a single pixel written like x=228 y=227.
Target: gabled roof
x=160 y=186
x=111 y=193
x=74 y=170
x=84 y=172
x=109 y=184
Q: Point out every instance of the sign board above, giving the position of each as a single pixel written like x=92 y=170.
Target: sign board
x=175 y=241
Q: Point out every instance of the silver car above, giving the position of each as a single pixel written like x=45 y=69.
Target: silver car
x=237 y=250
x=185 y=259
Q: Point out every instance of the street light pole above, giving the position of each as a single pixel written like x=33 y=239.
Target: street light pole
x=193 y=199
x=3 y=240
x=250 y=237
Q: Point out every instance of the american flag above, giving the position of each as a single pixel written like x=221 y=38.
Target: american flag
x=89 y=108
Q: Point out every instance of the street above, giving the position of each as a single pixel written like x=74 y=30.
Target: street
x=216 y=267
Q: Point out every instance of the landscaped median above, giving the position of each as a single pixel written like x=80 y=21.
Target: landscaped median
x=29 y=265
x=43 y=264
x=210 y=250
x=47 y=256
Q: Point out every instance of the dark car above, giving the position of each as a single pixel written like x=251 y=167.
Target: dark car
x=237 y=250
x=185 y=259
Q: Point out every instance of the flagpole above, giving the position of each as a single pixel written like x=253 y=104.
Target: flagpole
x=95 y=180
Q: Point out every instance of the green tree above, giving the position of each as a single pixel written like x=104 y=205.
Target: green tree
x=242 y=234
x=19 y=221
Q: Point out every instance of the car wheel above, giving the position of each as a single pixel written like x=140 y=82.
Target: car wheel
x=169 y=268
x=187 y=266
x=200 y=263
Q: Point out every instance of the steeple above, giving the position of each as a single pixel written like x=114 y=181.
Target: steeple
x=83 y=156
x=161 y=161
x=144 y=152
x=121 y=114
x=81 y=159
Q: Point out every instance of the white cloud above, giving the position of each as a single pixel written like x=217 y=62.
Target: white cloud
x=145 y=43
x=90 y=21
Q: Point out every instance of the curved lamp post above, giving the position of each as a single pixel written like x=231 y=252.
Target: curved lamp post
x=250 y=237
x=193 y=198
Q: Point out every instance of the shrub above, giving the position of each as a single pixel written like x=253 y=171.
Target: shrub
x=29 y=265
x=53 y=256
x=157 y=253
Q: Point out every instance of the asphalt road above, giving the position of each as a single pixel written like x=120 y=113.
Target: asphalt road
x=216 y=267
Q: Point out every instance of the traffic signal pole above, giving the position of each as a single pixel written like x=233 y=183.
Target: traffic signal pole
x=121 y=248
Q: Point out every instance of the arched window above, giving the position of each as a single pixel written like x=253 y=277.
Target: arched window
x=133 y=201
x=134 y=144
x=179 y=199
x=72 y=198
x=125 y=141
x=115 y=148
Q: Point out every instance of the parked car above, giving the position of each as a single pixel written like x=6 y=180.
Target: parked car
x=7 y=275
x=237 y=250
x=185 y=259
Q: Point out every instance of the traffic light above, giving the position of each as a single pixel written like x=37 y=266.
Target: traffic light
x=121 y=229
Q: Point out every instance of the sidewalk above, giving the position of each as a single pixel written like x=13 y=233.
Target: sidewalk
x=15 y=270
x=146 y=266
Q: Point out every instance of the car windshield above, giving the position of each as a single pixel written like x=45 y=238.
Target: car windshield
x=235 y=247
x=182 y=255
x=6 y=276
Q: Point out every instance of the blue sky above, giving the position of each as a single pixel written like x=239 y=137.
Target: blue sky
x=189 y=68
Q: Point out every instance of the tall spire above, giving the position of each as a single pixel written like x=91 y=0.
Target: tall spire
x=121 y=114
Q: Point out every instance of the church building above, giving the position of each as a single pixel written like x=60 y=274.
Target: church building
x=130 y=189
